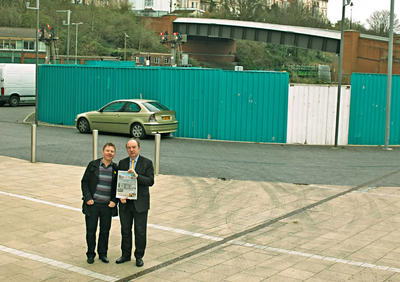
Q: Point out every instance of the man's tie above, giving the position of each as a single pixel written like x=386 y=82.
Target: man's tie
x=133 y=164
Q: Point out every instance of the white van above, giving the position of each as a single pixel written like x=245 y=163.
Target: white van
x=17 y=84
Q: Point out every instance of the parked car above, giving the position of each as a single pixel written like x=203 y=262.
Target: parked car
x=137 y=117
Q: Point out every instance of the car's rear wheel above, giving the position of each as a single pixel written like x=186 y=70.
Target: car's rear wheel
x=83 y=125
x=14 y=101
x=137 y=131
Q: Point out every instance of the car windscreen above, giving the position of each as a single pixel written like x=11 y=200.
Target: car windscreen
x=155 y=107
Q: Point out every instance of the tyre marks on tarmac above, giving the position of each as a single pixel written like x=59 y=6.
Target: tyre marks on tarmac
x=258 y=227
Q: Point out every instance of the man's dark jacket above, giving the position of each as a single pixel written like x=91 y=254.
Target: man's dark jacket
x=145 y=171
x=89 y=183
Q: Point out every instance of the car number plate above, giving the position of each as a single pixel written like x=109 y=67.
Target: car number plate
x=166 y=118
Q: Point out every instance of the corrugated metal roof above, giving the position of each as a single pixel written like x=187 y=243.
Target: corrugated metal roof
x=17 y=32
x=334 y=34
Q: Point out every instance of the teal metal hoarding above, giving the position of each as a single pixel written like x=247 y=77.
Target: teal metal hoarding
x=106 y=63
x=209 y=103
x=367 y=123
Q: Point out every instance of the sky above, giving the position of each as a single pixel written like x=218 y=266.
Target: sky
x=361 y=10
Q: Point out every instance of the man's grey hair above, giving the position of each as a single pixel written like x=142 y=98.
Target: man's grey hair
x=133 y=139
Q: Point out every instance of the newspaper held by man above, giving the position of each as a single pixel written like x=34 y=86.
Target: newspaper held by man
x=126 y=185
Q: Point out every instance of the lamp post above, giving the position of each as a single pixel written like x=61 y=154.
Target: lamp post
x=76 y=41
x=37 y=54
x=126 y=36
x=34 y=126
x=351 y=15
x=67 y=23
x=340 y=72
x=389 y=79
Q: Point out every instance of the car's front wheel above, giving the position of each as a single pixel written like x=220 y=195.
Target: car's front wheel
x=137 y=131
x=83 y=125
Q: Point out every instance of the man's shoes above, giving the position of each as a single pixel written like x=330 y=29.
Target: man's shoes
x=122 y=260
x=139 y=262
x=90 y=260
x=104 y=259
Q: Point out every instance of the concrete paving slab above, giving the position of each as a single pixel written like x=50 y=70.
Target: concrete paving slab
x=203 y=229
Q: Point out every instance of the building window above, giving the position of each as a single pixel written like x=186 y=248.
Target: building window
x=166 y=61
x=42 y=46
x=13 y=44
x=29 y=45
x=137 y=60
x=157 y=60
x=148 y=3
x=192 y=4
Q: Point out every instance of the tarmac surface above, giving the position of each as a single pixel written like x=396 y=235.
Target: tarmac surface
x=220 y=211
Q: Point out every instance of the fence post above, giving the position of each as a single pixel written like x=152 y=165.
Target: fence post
x=33 y=143
x=157 y=139
x=95 y=138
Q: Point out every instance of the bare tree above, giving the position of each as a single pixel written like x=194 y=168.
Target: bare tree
x=245 y=10
x=379 y=23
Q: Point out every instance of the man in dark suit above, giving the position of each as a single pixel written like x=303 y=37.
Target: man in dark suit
x=135 y=210
x=98 y=186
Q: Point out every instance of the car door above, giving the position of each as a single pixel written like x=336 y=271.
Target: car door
x=108 y=118
x=129 y=114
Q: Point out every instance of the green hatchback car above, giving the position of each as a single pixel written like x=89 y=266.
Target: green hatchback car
x=137 y=117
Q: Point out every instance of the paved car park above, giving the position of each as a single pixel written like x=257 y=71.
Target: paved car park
x=220 y=211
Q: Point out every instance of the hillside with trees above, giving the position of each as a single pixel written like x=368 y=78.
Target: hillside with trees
x=101 y=34
x=103 y=30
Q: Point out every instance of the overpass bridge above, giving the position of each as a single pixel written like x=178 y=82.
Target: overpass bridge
x=296 y=36
x=214 y=40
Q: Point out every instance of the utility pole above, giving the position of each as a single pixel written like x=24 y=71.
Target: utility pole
x=389 y=79
x=340 y=72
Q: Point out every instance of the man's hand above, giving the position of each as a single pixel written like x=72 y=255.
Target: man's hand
x=133 y=172
x=111 y=204
x=123 y=200
x=90 y=202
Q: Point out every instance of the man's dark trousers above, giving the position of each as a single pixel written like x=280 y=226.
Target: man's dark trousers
x=140 y=230
x=102 y=212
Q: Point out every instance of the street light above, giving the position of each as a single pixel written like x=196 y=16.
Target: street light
x=126 y=36
x=351 y=15
x=37 y=54
x=340 y=72
x=34 y=126
x=67 y=23
x=76 y=41
x=389 y=77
